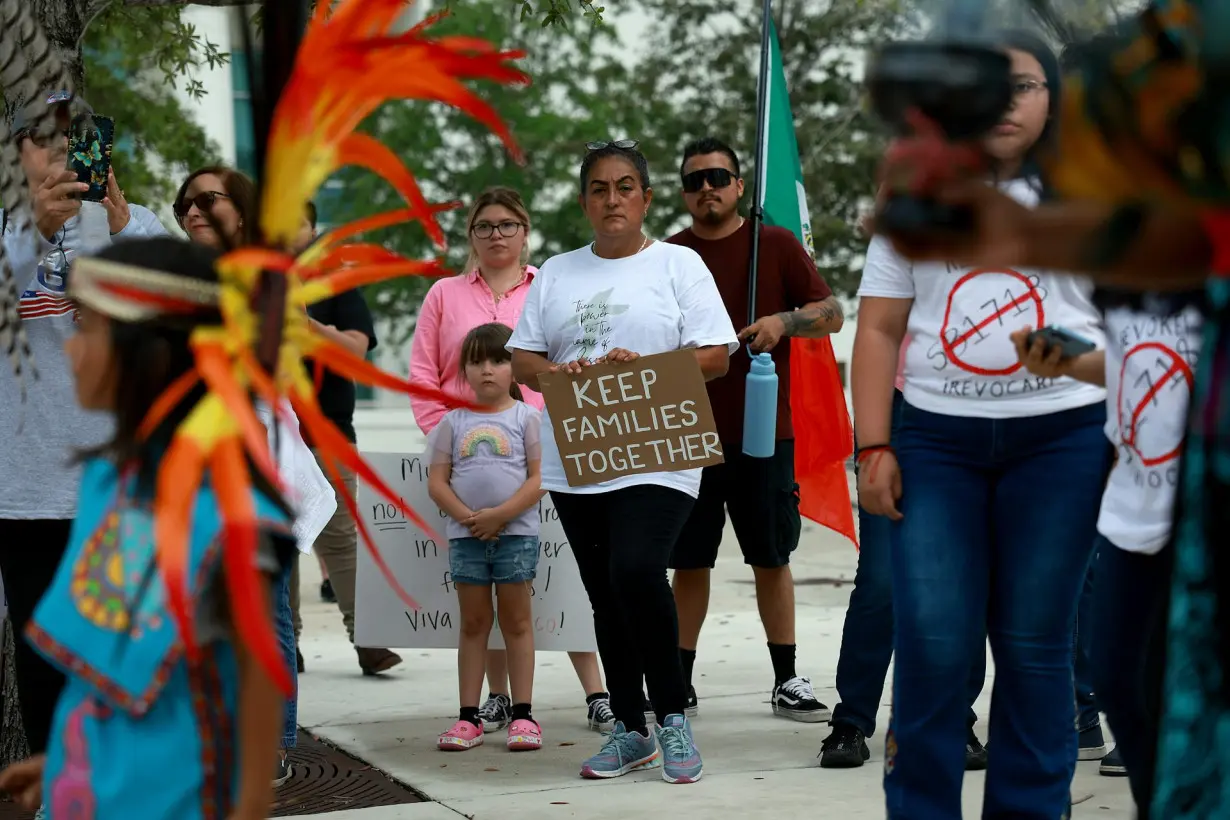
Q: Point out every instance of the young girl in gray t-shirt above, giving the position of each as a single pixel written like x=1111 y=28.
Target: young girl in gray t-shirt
x=485 y=475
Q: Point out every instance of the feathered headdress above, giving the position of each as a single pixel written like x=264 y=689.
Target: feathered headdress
x=349 y=62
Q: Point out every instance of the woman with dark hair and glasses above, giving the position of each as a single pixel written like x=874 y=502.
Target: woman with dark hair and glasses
x=618 y=298
x=227 y=195
x=978 y=437
x=492 y=288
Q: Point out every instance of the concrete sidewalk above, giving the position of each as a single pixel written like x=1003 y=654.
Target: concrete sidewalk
x=755 y=764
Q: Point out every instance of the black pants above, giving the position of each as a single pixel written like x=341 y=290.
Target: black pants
x=30 y=553
x=622 y=541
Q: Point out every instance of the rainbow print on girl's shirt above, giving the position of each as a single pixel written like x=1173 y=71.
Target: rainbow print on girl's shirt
x=495 y=438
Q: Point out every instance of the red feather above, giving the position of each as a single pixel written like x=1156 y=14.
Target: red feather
x=248 y=587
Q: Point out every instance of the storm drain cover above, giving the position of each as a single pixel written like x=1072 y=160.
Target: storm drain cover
x=325 y=779
x=11 y=811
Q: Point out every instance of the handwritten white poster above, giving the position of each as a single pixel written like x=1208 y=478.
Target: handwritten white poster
x=563 y=619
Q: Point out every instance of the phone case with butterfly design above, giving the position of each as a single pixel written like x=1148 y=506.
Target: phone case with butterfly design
x=89 y=153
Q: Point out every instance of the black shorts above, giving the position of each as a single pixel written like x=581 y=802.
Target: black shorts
x=763 y=500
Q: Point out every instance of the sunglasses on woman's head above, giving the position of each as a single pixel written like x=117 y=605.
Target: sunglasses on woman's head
x=203 y=201
x=716 y=177
x=622 y=145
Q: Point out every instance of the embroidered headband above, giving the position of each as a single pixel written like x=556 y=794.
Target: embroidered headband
x=135 y=294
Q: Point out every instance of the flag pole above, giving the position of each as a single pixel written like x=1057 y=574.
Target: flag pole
x=760 y=398
x=758 y=184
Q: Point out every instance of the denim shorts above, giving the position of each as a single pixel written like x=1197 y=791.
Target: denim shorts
x=509 y=560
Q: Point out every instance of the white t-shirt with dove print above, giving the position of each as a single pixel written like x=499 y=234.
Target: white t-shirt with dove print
x=581 y=306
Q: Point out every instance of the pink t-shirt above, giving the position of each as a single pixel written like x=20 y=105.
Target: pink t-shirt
x=452 y=308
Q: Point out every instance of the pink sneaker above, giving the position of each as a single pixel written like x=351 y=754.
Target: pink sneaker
x=464 y=735
x=524 y=735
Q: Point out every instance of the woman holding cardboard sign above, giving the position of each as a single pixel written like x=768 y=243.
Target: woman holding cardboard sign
x=493 y=288
x=612 y=301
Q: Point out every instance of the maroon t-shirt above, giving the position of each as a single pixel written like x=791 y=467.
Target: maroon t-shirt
x=787 y=279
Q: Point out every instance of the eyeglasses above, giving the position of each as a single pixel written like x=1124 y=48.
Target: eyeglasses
x=40 y=140
x=622 y=145
x=1021 y=88
x=485 y=230
x=716 y=177
x=203 y=201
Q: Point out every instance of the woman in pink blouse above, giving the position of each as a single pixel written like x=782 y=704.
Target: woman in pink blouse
x=492 y=289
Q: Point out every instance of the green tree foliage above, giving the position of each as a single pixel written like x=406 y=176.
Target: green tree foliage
x=579 y=93
x=693 y=73
x=699 y=77
x=133 y=58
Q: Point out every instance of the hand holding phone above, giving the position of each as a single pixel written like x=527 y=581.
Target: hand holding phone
x=91 y=139
x=1069 y=344
x=1049 y=352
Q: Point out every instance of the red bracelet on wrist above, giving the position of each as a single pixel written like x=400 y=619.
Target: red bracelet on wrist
x=863 y=452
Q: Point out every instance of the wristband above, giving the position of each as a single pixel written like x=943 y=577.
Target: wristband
x=863 y=452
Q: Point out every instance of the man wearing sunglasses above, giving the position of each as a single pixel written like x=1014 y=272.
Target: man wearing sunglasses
x=760 y=495
x=38 y=487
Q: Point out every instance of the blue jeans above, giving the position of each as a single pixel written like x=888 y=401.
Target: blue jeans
x=1087 y=714
x=867 y=637
x=999 y=521
x=510 y=559
x=1129 y=624
x=286 y=640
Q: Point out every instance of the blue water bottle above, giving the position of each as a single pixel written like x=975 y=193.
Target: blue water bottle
x=760 y=408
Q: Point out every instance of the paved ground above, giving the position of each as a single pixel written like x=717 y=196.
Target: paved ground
x=756 y=764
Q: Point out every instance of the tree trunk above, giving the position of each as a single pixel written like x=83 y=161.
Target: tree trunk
x=64 y=22
x=13 y=744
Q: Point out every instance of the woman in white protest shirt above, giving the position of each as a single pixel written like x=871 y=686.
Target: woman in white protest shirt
x=621 y=297
x=993 y=489
x=1152 y=347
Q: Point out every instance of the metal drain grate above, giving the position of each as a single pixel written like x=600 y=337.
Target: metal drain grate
x=324 y=779
x=11 y=811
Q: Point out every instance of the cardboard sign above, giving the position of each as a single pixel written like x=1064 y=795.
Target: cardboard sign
x=563 y=617
x=649 y=416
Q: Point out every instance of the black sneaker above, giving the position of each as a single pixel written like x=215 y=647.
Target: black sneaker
x=795 y=699
x=599 y=716
x=283 y=771
x=975 y=752
x=844 y=748
x=1112 y=764
x=299 y=665
x=692 y=706
x=1092 y=744
x=496 y=713
x=326 y=592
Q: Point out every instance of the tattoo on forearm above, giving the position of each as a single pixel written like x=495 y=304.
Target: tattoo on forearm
x=824 y=318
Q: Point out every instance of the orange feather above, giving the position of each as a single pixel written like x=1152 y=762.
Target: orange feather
x=217 y=371
x=248 y=587
x=333 y=445
x=368 y=152
x=344 y=363
x=355 y=277
x=179 y=476
x=167 y=401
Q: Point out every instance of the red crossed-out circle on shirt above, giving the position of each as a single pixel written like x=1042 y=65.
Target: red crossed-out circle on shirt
x=975 y=285
x=1174 y=365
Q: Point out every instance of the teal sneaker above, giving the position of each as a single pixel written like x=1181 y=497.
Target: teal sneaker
x=680 y=760
x=622 y=752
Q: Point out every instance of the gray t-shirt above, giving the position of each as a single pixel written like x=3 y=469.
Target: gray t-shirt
x=41 y=436
x=489 y=453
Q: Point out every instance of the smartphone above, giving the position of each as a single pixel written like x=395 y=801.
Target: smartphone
x=91 y=139
x=1068 y=342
